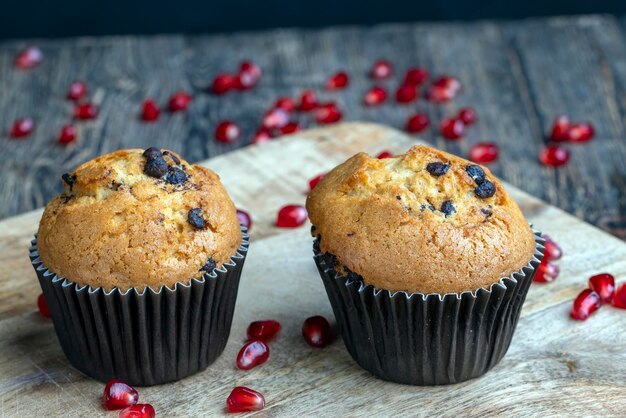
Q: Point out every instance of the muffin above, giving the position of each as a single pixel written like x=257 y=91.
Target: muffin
x=426 y=261
x=139 y=261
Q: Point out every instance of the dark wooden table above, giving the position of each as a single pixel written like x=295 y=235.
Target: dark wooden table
x=518 y=76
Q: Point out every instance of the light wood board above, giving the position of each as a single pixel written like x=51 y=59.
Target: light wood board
x=555 y=366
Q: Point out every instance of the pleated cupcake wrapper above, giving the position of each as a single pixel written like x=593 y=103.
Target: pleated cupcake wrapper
x=421 y=339
x=143 y=338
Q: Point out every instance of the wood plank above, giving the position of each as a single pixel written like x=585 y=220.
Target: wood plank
x=555 y=366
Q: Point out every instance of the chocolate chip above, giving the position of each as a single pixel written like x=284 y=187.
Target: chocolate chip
x=69 y=179
x=485 y=189
x=152 y=152
x=156 y=167
x=173 y=157
x=476 y=173
x=447 y=207
x=487 y=212
x=209 y=266
x=195 y=218
x=437 y=169
x=431 y=207
x=399 y=197
x=175 y=176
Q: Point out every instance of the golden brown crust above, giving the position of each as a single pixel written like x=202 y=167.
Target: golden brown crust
x=118 y=227
x=375 y=216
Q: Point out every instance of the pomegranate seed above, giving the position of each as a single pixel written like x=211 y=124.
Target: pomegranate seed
x=248 y=76
x=381 y=70
x=142 y=410
x=554 y=156
x=67 y=134
x=619 y=297
x=553 y=251
x=546 y=272
x=286 y=103
x=179 y=101
x=416 y=76
x=313 y=182
x=468 y=115
x=250 y=68
x=275 y=119
x=243 y=399
x=448 y=82
x=417 y=123
x=29 y=57
x=328 y=113
x=263 y=330
x=580 y=132
x=252 y=354
x=308 y=101
x=316 y=331
x=406 y=93
x=85 y=111
x=289 y=128
x=118 y=395
x=291 y=216
x=384 y=154
x=560 y=129
x=244 y=218
x=227 y=132
x=261 y=136
x=338 y=81
x=443 y=89
x=43 y=307
x=375 y=96
x=222 y=83
x=77 y=90
x=484 y=152
x=452 y=128
x=586 y=303
x=22 y=128
x=150 y=111
x=604 y=285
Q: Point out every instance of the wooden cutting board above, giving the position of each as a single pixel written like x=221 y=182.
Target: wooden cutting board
x=555 y=366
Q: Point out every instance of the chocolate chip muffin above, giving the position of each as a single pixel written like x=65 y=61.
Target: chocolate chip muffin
x=426 y=261
x=139 y=261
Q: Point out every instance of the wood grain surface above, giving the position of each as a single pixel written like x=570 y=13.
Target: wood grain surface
x=518 y=76
x=555 y=366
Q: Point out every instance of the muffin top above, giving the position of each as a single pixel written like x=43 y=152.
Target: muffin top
x=426 y=221
x=137 y=219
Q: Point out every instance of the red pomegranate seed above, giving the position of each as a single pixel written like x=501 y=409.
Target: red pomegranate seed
x=316 y=331
x=448 y=82
x=328 y=113
x=308 y=101
x=384 y=154
x=604 y=285
x=251 y=68
x=77 y=90
x=243 y=399
x=22 y=128
x=586 y=303
x=468 y=115
x=452 y=128
x=85 y=111
x=375 y=96
x=118 y=395
x=406 y=93
x=179 y=101
x=289 y=128
x=291 y=216
x=546 y=272
x=417 y=123
x=43 y=307
x=275 y=119
x=484 y=152
x=150 y=111
x=248 y=76
x=560 y=129
x=443 y=89
x=338 y=81
x=29 y=57
x=263 y=330
x=261 y=136
x=244 y=218
x=227 y=132
x=416 y=76
x=619 y=297
x=252 y=354
x=286 y=103
x=313 y=182
x=580 y=132
x=381 y=70
x=554 y=156
x=552 y=251
x=222 y=83
x=142 y=410
x=67 y=134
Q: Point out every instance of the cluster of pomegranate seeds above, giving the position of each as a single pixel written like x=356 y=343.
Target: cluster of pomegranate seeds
x=77 y=90
x=381 y=70
x=43 y=307
x=179 y=101
x=291 y=216
x=337 y=81
x=547 y=270
x=142 y=410
x=252 y=354
x=150 y=111
x=29 y=57
x=375 y=96
x=316 y=331
x=22 y=128
x=601 y=290
x=244 y=218
x=384 y=154
x=484 y=152
x=246 y=78
x=67 y=134
x=554 y=156
x=243 y=399
x=313 y=182
x=264 y=330
x=227 y=132
x=119 y=395
x=564 y=130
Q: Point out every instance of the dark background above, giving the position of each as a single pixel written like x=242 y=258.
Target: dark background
x=29 y=18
